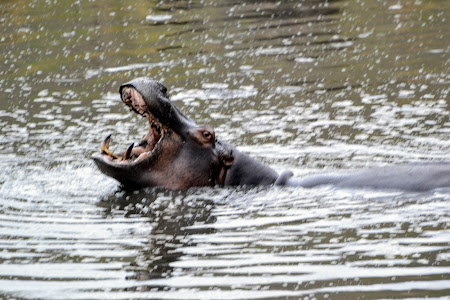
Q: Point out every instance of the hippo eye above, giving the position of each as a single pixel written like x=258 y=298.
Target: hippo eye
x=207 y=135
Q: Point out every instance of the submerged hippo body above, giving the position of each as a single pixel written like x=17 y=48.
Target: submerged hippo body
x=408 y=177
x=177 y=154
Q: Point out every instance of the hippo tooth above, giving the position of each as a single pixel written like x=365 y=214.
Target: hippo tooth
x=105 y=147
x=126 y=156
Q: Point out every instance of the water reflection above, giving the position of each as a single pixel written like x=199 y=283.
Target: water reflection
x=169 y=214
x=278 y=244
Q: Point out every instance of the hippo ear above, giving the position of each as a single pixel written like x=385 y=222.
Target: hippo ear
x=228 y=160
x=226 y=153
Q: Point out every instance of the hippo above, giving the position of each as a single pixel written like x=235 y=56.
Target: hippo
x=176 y=153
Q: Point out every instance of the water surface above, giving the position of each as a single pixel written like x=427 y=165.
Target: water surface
x=311 y=86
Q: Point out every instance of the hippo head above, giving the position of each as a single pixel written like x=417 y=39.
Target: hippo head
x=175 y=153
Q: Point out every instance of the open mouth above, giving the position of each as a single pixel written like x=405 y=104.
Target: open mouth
x=150 y=143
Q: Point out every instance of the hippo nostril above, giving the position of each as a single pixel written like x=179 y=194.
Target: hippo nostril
x=125 y=94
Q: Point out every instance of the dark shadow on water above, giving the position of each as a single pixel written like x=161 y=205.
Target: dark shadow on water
x=170 y=214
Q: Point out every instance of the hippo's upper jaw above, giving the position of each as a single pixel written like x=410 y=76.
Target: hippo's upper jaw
x=145 y=150
x=175 y=153
x=149 y=144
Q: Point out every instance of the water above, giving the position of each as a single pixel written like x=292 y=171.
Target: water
x=311 y=86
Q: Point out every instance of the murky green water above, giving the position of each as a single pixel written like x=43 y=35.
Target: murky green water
x=311 y=86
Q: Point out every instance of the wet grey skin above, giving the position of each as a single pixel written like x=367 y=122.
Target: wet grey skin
x=178 y=154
